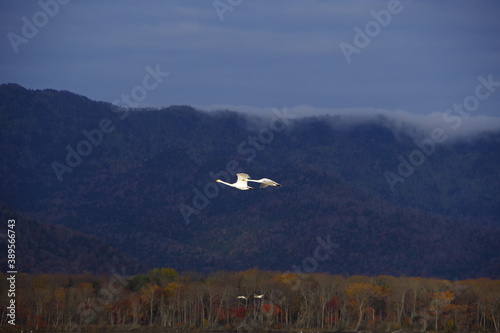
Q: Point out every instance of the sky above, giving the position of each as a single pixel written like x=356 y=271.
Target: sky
x=418 y=57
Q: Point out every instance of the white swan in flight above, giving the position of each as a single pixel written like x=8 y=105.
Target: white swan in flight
x=241 y=183
x=265 y=182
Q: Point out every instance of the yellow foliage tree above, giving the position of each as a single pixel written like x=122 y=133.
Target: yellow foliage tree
x=439 y=301
x=359 y=296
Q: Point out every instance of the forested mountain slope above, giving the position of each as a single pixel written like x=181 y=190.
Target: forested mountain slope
x=143 y=182
x=42 y=248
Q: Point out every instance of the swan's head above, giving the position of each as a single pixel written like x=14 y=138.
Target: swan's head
x=218 y=180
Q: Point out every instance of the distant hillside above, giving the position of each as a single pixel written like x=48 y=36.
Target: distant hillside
x=42 y=248
x=143 y=181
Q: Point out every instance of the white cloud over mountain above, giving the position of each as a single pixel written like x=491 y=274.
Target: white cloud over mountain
x=453 y=124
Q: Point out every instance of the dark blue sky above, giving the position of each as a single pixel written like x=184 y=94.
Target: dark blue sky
x=422 y=59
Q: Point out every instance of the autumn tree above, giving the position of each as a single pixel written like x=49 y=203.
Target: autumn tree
x=439 y=302
x=150 y=294
x=60 y=295
x=359 y=297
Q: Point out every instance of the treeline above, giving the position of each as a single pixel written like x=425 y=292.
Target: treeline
x=253 y=300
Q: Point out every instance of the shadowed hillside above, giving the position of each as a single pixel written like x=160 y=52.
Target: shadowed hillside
x=42 y=248
x=143 y=182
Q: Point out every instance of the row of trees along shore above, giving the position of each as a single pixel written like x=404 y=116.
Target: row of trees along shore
x=252 y=300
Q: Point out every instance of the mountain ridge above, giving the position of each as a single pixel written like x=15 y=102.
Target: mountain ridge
x=128 y=190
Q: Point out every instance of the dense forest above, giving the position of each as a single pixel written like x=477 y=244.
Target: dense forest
x=253 y=300
x=43 y=247
x=138 y=185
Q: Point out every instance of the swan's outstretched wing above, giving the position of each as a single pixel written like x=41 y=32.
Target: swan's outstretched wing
x=268 y=182
x=265 y=182
x=242 y=180
x=242 y=176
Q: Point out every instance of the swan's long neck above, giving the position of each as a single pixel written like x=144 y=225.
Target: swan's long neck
x=223 y=182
